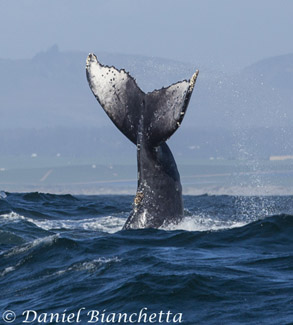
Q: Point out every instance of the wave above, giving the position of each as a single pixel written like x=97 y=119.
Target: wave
x=49 y=240
x=27 y=247
x=37 y=196
x=270 y=229
x=7 y=237
x=11 y=217
x=204 y=223
x=228 y=253
x=112 y=224
x=89 y=265
x=3 y=195
x=7 y=270
x=109 y=224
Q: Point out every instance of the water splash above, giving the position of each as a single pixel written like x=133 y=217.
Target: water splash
x=3 y=195
x=204 y=223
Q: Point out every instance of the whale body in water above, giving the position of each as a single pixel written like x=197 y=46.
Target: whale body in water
x=147 y=120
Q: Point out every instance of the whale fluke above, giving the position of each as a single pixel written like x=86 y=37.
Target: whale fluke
x=148 y=120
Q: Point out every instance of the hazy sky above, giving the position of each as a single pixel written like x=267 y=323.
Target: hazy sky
x=228 y=34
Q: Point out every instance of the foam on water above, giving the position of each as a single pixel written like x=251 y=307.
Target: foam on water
x=3 y=195
x=203 y=269
x=89 y=265
x=109 y=224
x=204 y=223
x=112 y=224
x=7 y=270
x=10 y=269
x=48 y=240
x=11 y=217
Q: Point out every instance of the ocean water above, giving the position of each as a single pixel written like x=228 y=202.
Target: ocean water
x=230 y=261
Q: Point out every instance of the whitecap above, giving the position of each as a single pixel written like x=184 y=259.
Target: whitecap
x=12 y=216
x=10 y=269
x=204 y=223
x=3 y=195
x=48 y=240
x=7 y=270
x=89 y=265
x=109 y=224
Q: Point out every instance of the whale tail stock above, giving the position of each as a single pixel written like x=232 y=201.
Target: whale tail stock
x=148 y=120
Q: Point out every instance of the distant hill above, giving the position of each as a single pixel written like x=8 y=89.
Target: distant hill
x=46 y=106
x=51 y=90
x=275 y=72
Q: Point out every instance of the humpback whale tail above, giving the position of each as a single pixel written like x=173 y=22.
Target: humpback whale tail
x=147 y=120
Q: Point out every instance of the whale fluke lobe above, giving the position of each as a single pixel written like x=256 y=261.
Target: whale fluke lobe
x=118 y=94
x=166 y=109
x=148 y=120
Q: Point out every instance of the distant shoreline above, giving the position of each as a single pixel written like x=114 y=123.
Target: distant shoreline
x=130 y=190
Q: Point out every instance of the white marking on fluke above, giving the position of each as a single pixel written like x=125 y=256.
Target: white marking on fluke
x=193 y=80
